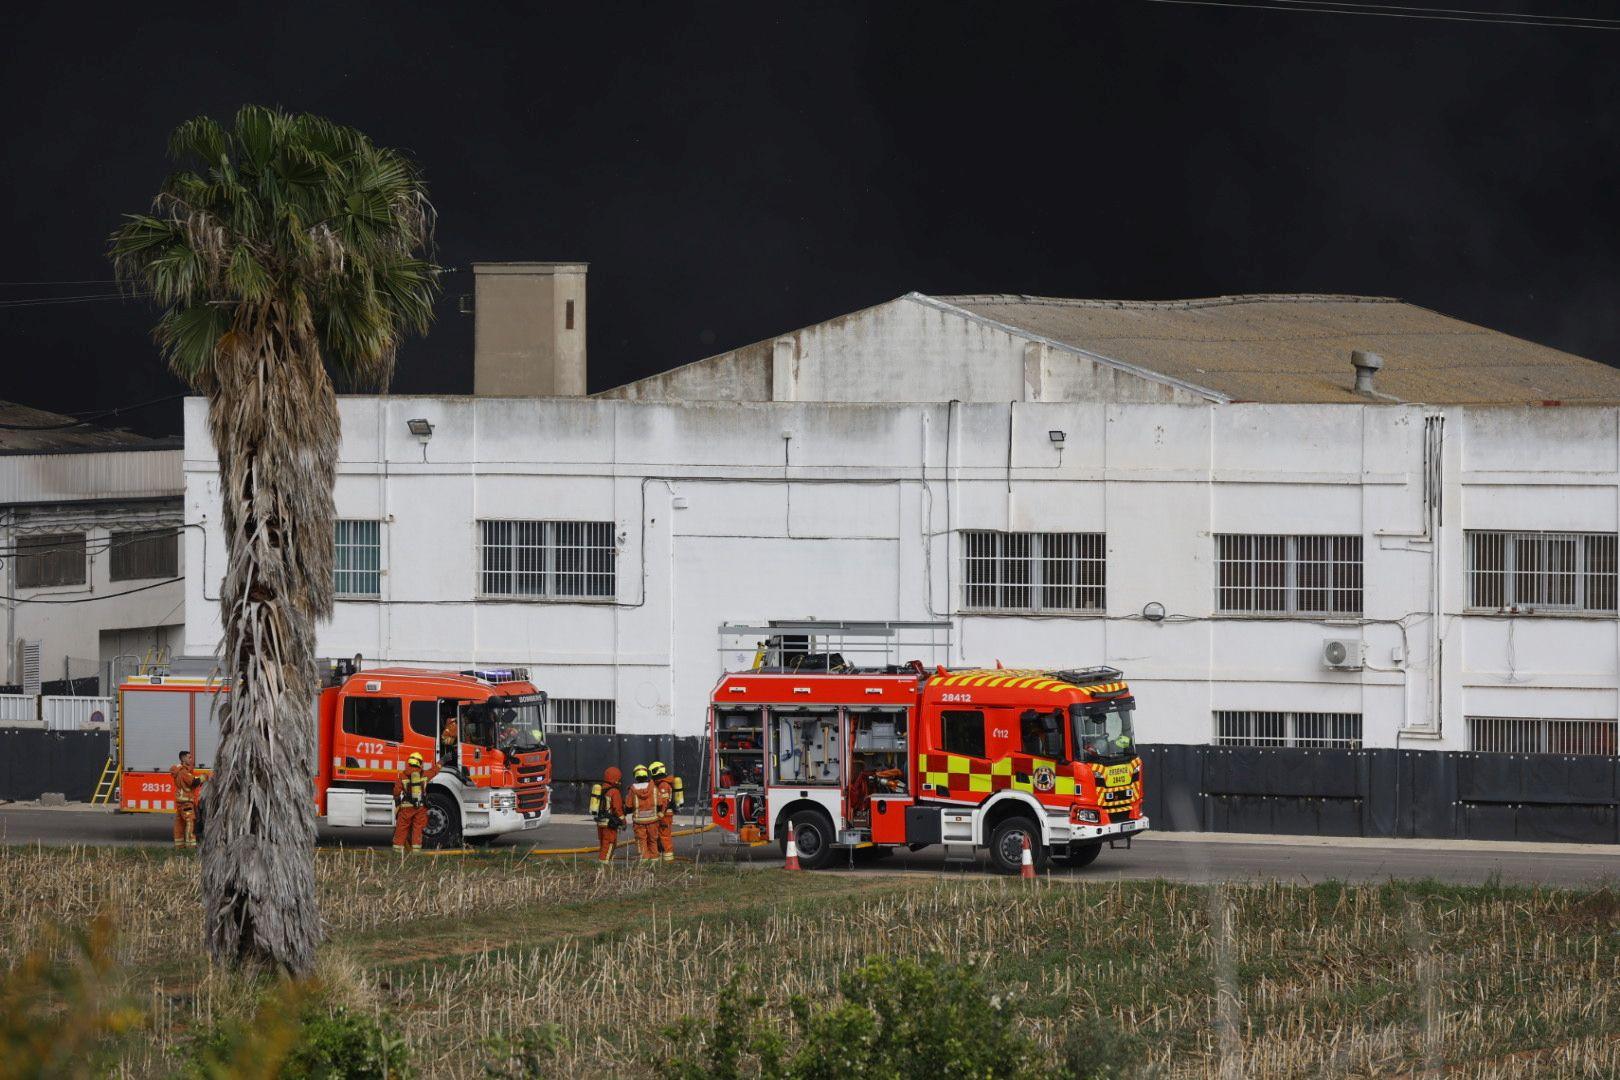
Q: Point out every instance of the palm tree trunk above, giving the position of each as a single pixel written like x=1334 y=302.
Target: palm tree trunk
x=273 y=416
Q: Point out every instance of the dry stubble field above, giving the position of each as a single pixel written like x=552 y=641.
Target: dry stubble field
x=1263 y=980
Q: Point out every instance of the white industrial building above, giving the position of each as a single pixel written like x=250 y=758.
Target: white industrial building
x=1194 y=492
x=89 y=549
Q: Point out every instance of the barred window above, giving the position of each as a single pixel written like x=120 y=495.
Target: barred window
x=1539 y=735
x=556 y=559
x=1549 y=571
x=1022 y=571
x=54 y=559
x=152 y=553
x=1305 y=730
x=1288 y=575
x=357 y=565
x=582 y=716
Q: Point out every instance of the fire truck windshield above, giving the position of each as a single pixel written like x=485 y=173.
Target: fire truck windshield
x=1104 y=730
x=508 y=723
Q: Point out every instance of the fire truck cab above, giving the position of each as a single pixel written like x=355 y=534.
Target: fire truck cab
x=484 y=728
x=906 y=756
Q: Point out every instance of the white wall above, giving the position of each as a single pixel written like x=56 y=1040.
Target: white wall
x=855 y=517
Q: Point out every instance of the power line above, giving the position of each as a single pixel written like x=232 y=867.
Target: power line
x=91 y=418
x=1603 y=23
x=1332 y=7
x=92 y=599
x=47 y=301
x=82 y=281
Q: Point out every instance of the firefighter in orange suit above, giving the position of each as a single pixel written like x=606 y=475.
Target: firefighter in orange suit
x=410 y=803
x=607 y=809
x=672 y=795
x=186 y=782
x=646 y=806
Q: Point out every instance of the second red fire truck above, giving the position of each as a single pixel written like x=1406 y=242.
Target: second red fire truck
x=907 y=756
x=485 y=729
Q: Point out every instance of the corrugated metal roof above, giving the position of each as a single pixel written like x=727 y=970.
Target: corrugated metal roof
x=55 y=433
x=1296 y=348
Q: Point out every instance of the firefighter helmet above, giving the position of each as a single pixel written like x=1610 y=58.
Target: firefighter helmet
x=414 y=759
x=656 y=770
x=640 y=772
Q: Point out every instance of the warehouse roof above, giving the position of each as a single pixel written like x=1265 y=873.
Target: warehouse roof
x=34 y=431
x=1296 y=348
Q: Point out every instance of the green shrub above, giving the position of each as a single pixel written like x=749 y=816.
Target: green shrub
x=526 y=1054
x=291 y=1036
x=897 y=1020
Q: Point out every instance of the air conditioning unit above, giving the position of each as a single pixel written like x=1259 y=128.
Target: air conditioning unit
x=1342 y=654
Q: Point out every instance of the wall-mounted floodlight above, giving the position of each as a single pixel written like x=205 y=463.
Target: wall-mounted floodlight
x=1153 y=611
x=423 y=430
x=1056 y=437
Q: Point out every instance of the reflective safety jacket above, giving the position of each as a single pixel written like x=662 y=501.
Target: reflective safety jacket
x=410 y=786
x=647 y=799
x=186 y=783
x=671 y=793
x=607 y=805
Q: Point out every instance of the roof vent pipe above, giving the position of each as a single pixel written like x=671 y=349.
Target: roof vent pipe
x=1366 y=365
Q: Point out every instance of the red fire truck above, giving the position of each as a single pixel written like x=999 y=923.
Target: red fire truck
x=495 y=770
x=904 y=756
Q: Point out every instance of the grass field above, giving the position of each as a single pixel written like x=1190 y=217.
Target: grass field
x=1263 y=980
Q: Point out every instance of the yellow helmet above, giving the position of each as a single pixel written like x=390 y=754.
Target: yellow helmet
x=414 y=759
x=656 y=769
x=639 y=772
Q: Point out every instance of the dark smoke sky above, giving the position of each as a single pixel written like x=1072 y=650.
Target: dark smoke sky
x=734 y=171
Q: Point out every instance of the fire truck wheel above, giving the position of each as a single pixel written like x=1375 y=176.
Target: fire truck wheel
x=443 y=823
x=812 y=835
x=1007 y=845
x=1079 y=855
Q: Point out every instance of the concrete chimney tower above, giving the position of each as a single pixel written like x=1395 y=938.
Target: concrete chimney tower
x=529 y=329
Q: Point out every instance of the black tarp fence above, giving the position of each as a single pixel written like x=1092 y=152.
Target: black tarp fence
x=34 y=761
x=578 y=761
x=1394 y=793
x=1391 y=793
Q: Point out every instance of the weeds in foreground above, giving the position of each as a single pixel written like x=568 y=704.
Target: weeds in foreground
x=491 y=966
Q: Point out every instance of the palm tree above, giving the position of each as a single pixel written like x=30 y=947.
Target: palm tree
x=284 y=249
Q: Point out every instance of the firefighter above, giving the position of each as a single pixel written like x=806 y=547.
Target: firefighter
x=186 y=782
x=645 y=805
x=674 y=795
x=607 y=810
x=410 y=803
x=447 y=743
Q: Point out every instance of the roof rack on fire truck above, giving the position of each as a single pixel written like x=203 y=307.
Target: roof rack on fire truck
x=834 y=647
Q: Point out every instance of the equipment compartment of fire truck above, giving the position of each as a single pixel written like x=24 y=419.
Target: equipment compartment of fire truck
x=485 y=729
x=908 y=755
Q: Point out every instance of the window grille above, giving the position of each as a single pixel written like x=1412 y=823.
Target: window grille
x=556 y=559
x=153 y=553
x=1033 y=571
x=1288 y=575
x=1545 y=571
x=357 y=566
x=1304 y=730
x=582 y=716
x=54 y=559
x=1539 y=735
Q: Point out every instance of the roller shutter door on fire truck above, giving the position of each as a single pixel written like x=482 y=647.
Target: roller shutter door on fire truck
x=207 y=728
x=157 y=726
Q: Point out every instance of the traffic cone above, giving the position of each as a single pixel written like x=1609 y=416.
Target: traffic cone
x=1027 y=870
x=792 y=862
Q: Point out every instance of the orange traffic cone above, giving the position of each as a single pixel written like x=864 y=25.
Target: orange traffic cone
x=1027 y=870
x=792 y=862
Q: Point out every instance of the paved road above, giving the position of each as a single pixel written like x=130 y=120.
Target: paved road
x=1173 y=856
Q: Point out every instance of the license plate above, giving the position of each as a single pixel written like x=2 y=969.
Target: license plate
x=531 y=823
x=1130 y=826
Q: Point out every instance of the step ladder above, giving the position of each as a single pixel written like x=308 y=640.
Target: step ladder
x=107 y=786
